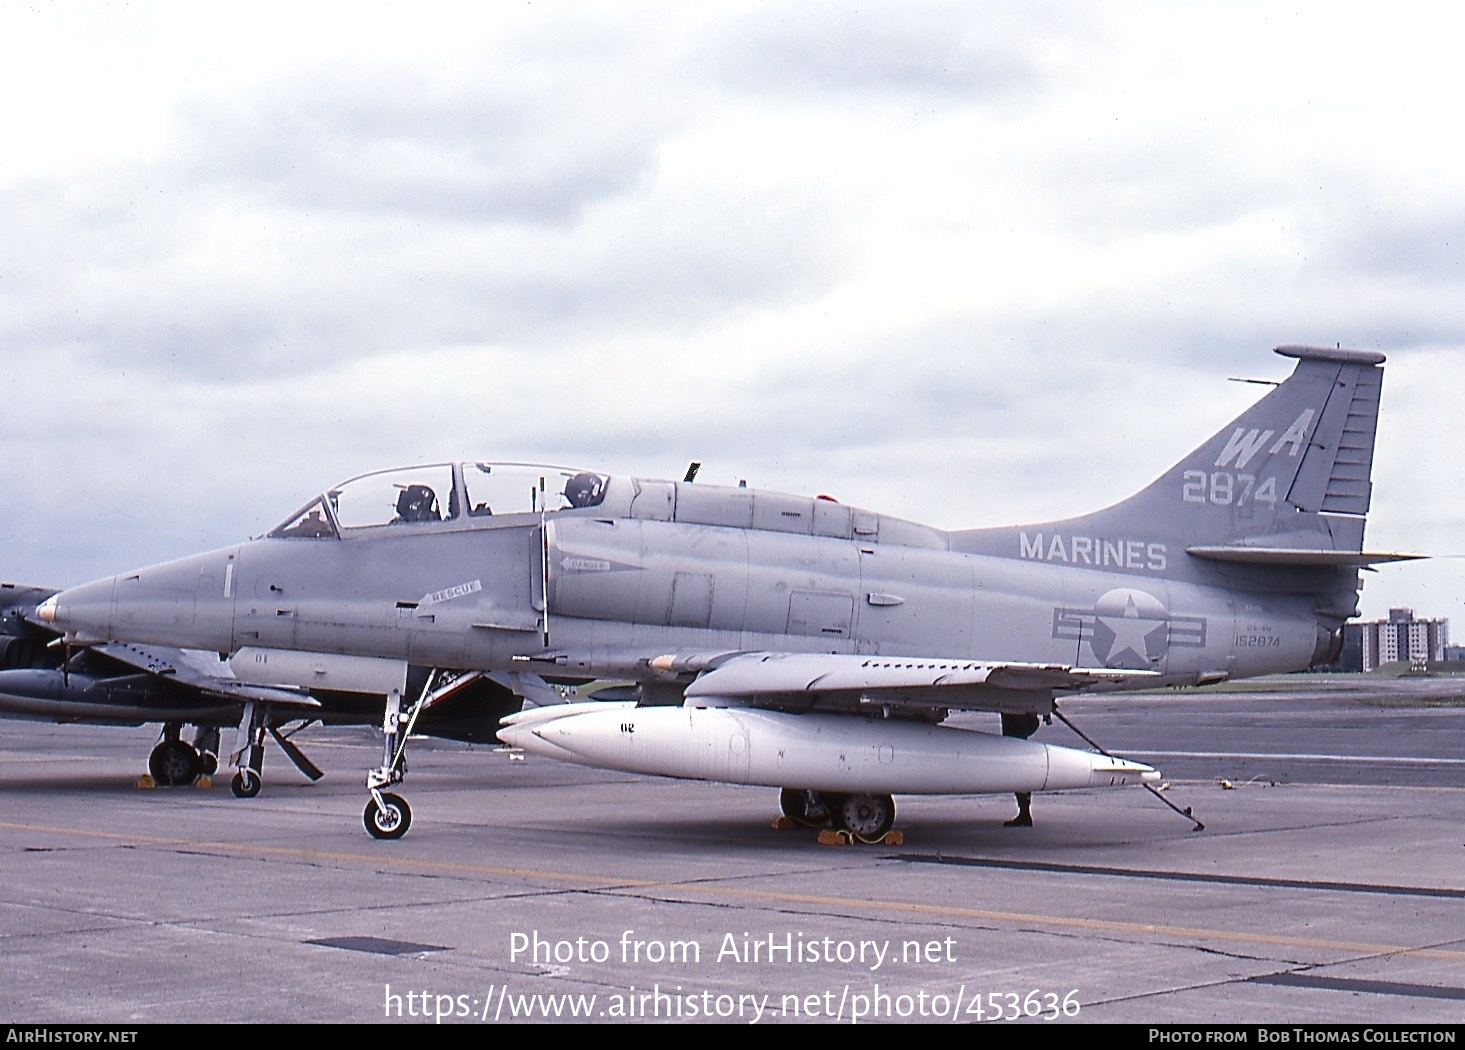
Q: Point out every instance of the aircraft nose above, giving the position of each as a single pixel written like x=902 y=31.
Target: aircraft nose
x=83 y=614
x=182 y=603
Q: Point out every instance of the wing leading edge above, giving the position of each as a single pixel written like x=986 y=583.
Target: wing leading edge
x=185 y=668
x=835 y=681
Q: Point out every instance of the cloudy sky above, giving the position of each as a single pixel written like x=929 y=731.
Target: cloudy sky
x=970 y=264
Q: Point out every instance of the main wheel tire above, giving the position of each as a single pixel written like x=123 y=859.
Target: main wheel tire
x=174 y=763
x=246 y=784
x=813 y=809
x=390 y=821
x=867 y=817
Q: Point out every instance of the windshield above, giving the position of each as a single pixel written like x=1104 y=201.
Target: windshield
x=310 y=523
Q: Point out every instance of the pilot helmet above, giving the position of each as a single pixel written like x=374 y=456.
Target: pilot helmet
x=583 y=490
x=417 y=503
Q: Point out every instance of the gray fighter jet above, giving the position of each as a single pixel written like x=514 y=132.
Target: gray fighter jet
x=130 y=684
x=798 y=642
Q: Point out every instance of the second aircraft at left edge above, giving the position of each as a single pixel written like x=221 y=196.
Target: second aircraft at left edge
x=277 y=692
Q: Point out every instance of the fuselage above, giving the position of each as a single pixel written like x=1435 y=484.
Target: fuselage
x=658 y=566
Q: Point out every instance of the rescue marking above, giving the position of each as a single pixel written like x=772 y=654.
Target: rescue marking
x=449 y=593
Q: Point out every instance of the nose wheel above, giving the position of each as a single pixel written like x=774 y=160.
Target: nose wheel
x=246 y=784
x=387 y=816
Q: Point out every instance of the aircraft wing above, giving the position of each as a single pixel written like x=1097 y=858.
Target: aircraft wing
x=191 y=669
x=829 y=681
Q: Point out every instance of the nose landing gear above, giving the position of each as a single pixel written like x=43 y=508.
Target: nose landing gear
x=387 y=816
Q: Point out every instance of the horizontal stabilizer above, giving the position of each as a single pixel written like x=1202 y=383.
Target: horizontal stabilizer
x=1289 y=556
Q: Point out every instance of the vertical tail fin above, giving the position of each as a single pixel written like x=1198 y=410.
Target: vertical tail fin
x=1292 y=471
x=1264 y=519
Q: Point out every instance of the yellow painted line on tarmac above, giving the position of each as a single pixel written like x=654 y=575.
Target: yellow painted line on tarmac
x=675 y=889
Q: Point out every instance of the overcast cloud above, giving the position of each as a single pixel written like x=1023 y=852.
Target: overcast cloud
x=963 y=263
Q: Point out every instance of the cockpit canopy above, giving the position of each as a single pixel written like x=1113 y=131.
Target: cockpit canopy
x=441 y=492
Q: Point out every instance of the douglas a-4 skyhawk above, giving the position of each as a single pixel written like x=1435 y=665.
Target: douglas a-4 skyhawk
x=798 y=642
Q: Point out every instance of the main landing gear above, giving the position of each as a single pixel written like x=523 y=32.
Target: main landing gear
x=175 y=763
x=866 y=817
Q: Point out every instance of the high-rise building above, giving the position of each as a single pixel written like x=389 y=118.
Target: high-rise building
x=1401 y=637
